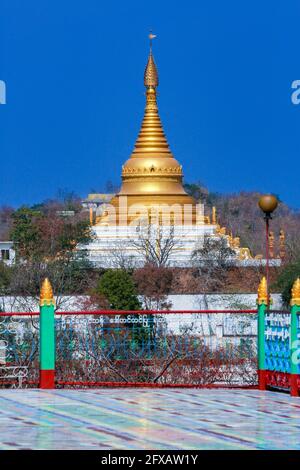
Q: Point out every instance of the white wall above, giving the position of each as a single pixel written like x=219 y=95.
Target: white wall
x=179 y=302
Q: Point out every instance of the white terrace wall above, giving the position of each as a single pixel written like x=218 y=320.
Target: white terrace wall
x=178 y=301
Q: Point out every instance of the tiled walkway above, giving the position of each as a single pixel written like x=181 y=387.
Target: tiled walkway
x=148 y=419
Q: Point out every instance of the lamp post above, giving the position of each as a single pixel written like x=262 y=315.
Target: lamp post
x=267 y=203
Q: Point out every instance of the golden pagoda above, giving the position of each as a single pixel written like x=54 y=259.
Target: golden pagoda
x=152 y=193
x=151 y=177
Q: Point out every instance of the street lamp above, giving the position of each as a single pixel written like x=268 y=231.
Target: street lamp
x=267 y=203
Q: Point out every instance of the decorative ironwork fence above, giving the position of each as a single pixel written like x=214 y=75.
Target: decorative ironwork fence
x=174 y=348
x=277 y=340
x=19 y=349
x=280 y=338
x=195 y=348
x=117 y=348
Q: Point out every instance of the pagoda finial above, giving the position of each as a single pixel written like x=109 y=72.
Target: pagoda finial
x=151 y=75
x=262 y=292
x=295 y=298
x=151 y=37
x=46 y=295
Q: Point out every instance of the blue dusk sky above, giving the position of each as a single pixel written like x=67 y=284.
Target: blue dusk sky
x=74 y=78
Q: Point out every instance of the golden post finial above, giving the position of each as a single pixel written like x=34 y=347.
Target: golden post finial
x=262 y=292
x=295 y=298
x=46 y=295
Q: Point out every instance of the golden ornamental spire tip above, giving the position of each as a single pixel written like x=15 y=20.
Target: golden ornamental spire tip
x=151 y=37
x=295 y=298
x=46 y=295
x=151 y=74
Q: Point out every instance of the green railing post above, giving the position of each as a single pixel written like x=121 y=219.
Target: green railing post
x=262 y=303
x=47 y=336
x=294 y=342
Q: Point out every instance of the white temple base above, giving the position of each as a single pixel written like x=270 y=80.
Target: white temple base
x=118 y=246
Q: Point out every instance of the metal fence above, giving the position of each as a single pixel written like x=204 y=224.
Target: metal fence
x=277 y=348
x=19 y=350
x=155 y=349
x=146 y=348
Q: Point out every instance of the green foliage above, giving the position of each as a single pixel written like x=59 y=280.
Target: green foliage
x=72 y=234
x=286 y=280
x=25 y=231
x=5 y=277
x=75 y=276
x=46 y=244
x=196 y=190
x=119 y=289
x=40 y=235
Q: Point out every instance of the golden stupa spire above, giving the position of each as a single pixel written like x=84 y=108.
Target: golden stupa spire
x=152 y=167
x=151 y=176
x=151 y=139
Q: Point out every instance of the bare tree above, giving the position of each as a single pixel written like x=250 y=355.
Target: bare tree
x=68 y=276
x=155 y=243
x=119 y=258
x=212 y=261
